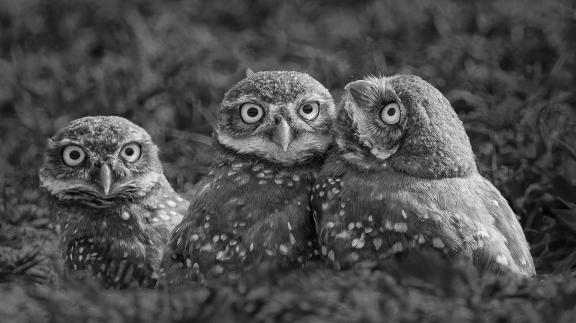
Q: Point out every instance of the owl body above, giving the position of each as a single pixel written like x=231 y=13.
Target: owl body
x=246 y=212
x=406 y=179
x=253 y=207
x=114 y=206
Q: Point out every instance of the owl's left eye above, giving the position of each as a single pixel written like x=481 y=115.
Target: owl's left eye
x=390 y=113
x=131 y=152
x=309 y=111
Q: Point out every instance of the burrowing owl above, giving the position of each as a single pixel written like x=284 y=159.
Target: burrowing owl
x=403 y=176
x=274 y=129
x=109 y=194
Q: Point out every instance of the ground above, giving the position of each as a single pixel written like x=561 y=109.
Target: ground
x=507 y=67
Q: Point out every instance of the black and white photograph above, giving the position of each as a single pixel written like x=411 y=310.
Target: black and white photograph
x=287 y=161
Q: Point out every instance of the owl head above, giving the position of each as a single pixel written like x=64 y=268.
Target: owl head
x=100 y=162
x=403 y=123
x=281 y=117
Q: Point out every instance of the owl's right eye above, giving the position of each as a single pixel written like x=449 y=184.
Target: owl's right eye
x=251 y=113
x=390 y=114
x=73 y=155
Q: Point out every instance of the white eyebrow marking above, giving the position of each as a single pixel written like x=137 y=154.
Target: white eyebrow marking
x=66 y=141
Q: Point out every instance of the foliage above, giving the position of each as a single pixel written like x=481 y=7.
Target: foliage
x=506 y=66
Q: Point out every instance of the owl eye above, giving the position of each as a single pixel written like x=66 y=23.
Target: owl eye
x=309 y=111
x=391 y=113
x=131 y=152
x=73 y=155
x=251 y=112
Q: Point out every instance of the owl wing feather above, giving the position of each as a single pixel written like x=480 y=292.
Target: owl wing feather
x=505 y=223
x=164 y=209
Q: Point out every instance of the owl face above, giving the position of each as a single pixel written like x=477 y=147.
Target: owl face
x=403 y=123
x=283 y=117
x=100 y=162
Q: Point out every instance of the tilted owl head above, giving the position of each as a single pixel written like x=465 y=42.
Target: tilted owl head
x=100 y=162
x=403 y=123
x=282 y=117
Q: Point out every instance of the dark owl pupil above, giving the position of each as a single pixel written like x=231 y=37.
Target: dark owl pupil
x=75 y=154
x=391 y=112
x=129 y=151
x=307 y=109
x=252 y=112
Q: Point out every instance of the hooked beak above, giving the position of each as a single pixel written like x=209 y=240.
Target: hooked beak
x=282 y=134
x=105 y=176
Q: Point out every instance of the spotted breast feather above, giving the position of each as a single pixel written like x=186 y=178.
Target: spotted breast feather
x=245 y=212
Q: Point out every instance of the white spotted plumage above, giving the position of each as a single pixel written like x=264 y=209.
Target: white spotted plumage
x=253 y=206
x=115 y=207
x=412 y=184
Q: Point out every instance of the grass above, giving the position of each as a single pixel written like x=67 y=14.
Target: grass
x=506 y=66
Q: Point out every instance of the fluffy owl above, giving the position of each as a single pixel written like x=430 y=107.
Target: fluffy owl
x=403 y=176
x=109 y=195
x=273 y=131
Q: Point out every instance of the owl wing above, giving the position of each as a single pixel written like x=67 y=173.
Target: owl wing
x=164 y=208
x=176 y=265
x=470 y=217
x=483 y=228
x=334 y=215
x=501 y=226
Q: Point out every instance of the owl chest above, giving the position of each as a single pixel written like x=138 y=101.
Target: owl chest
x=83 y=253
x=84 y=235
x=113 y=223
x=255 y=193
x=245 y=221
x=118 y=263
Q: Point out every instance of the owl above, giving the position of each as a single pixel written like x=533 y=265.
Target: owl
x=111 y=200
x=402 y=176
x=273 y=131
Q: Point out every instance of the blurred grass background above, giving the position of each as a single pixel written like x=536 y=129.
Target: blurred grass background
x=507 y=67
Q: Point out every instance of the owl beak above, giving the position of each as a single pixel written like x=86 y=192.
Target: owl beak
x=282 y=134
x=105 y=176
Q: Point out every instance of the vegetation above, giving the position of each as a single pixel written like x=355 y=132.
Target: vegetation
x=506 y=66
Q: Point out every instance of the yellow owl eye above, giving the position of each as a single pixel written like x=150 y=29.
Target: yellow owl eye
x=251 y=112
x=309 y=111
x=391 y=114
x=131 y=152
x=73 y=155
